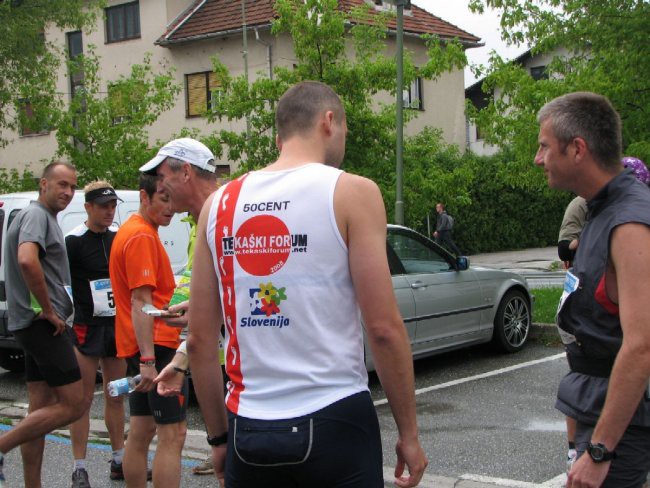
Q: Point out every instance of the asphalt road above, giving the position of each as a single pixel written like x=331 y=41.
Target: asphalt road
x=481 y=414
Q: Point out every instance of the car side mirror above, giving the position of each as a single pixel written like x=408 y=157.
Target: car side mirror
x=462 y=263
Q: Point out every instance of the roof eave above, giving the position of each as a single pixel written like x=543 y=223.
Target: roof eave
x=210 y=35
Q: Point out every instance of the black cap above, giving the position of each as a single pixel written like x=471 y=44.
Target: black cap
x=102 y=195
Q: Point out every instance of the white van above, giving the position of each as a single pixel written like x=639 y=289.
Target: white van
x=175 y=237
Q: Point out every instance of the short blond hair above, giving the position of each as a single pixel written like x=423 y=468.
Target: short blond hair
x=94 y=185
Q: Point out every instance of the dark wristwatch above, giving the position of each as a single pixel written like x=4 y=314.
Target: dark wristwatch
x=599 y=453
x=218 y=440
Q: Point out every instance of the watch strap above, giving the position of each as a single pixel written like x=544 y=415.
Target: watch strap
x=595 y=449
x=218 y=440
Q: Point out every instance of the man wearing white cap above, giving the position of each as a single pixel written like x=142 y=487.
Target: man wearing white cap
x=187 y=172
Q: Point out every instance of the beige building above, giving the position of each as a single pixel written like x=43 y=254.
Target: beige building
x=185 y=34
x=535 y=65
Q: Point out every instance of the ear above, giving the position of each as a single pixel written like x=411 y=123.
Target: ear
x=278 y=142
x=580 y=148
x=88 y=206
x=144 y=198
x=186 y=171
x=42 y=184
x=327 y=121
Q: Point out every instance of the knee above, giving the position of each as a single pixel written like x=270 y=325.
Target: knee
x=76 y=403
x=141 y=436
x=113 y=403
x=173 y=435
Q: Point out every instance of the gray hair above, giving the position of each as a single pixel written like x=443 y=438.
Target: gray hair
x=591 y=117
x=176 y=164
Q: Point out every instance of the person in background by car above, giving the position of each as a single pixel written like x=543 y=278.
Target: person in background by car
x=93 y=332
x=444 y=225
x=40 y=306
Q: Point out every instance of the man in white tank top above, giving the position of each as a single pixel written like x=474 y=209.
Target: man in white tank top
x=293 y=257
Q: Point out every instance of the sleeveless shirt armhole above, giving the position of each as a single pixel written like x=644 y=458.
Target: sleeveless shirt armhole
x=212 y=221
x=603 y=299
x=335 y=227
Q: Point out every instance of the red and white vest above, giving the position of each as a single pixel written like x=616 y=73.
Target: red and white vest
x=294 y=341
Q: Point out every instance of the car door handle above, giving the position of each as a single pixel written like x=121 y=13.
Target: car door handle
x=418 y=284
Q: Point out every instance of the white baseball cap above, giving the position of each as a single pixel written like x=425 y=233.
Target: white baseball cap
x=184 y=149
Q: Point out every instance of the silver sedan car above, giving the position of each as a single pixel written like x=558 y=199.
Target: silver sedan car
x=446 y=304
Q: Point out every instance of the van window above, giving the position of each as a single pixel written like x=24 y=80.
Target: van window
x=12 y=216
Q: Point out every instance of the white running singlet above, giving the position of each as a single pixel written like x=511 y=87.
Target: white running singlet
x=294 y=341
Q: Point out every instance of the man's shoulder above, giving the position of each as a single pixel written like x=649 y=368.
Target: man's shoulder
x=78 y=231
x=357 y=182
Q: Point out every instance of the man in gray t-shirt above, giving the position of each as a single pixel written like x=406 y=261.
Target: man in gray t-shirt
x=37 y=224
x=37 y=275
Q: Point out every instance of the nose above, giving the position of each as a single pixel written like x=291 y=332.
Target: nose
x=539 y=157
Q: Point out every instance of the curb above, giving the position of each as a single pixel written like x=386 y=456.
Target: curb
x=544 y=332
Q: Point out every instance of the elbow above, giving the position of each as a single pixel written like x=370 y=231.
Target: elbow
x=386 y=333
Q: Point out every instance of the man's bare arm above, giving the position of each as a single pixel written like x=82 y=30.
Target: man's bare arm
x=143 y=328
x=32 y=271
x=361 y=218
x=630 y=257
x=203 y=339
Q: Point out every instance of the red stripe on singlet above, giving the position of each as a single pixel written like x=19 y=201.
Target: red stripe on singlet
x=226 y=267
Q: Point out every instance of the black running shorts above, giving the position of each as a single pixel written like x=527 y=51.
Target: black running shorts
x=165 y=410
x=48 y=357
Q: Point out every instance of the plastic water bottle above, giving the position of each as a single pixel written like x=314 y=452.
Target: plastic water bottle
x=123 y=386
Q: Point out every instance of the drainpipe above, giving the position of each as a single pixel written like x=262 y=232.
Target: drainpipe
x=269 y=59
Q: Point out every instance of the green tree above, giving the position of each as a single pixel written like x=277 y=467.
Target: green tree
x=608 y=53
x=29 y=62
x=104 y=130
x=321 y=31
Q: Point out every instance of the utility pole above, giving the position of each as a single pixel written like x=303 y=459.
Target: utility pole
x=245 y=56
x=399 y=198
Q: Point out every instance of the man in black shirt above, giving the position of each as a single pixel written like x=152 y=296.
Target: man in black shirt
x=89 y=247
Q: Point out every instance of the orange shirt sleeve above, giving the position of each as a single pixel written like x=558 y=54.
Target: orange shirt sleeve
x=141 y=256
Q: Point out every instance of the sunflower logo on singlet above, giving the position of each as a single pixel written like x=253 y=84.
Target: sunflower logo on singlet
x=264 y=302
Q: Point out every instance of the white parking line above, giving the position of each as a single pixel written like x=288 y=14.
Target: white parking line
x=480 y=376
x=501 y=482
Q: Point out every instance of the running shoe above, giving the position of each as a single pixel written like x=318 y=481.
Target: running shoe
x=570 y=459
x=117 y=473
x=80 y=479
x=206 y=467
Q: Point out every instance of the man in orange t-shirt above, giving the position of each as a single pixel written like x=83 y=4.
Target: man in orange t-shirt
x=142 y=276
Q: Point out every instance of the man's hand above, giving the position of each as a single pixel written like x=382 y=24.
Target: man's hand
x=183 y=320
x=435 y=235
x=412 y=455
x=219 y=462
x=587 y=474
x=169 y=381
x=148 y=374
x=55 y=320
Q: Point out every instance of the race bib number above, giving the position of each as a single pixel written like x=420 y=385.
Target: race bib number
x=103 y=299
x=571 y=284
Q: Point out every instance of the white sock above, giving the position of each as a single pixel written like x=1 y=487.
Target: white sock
x=79 y=464
x=118 y=455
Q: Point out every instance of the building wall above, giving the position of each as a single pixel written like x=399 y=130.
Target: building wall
x=476 y=144
x=443 y=99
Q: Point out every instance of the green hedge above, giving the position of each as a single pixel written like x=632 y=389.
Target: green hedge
x=496 y=205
